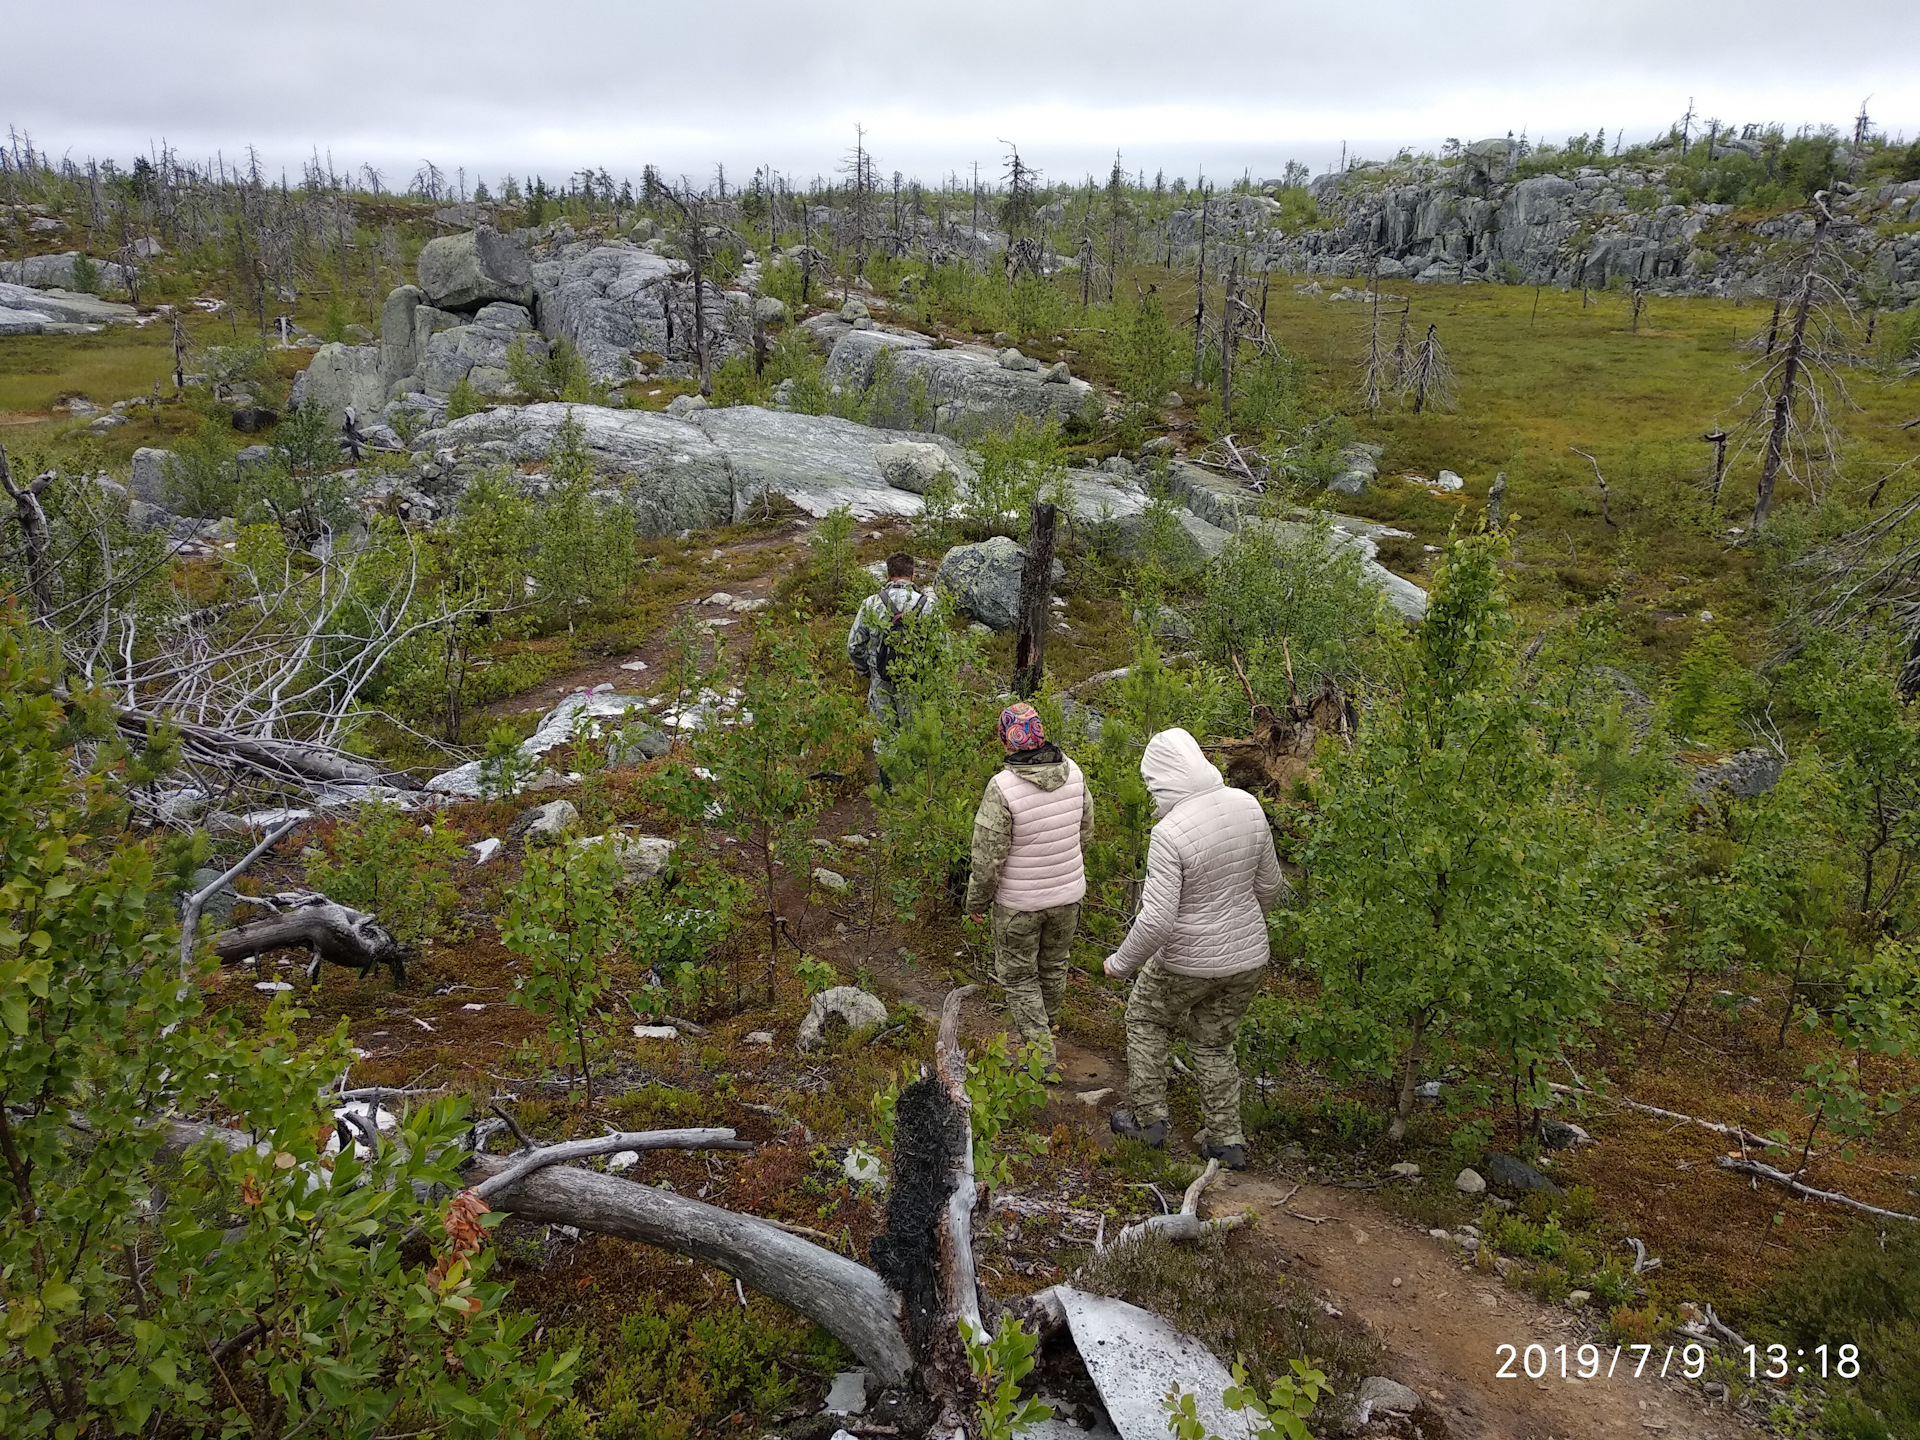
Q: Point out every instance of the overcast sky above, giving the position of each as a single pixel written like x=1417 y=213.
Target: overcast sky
x=1227 y=86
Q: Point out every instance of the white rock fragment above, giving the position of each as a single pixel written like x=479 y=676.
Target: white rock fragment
x=655 y=1032
x=864 y=1168
x=1470 y=1182
x=758 y=1037
x=623 y=1160
x=272 y=985
x=485 y=850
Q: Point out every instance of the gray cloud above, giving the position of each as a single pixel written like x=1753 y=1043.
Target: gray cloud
x=496 y=87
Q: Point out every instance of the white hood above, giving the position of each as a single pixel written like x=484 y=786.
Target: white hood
x=1175 y=768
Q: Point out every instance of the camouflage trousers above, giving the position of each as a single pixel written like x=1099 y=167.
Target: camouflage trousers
x=1031 y=949
x=1208 y=1012
x=886 y=707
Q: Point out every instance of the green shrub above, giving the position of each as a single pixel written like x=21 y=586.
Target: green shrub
x=200 y=479
x=1711 y=693
x=86 y=275
x=463 y=400
x=384 y=861
x=1863 y=1290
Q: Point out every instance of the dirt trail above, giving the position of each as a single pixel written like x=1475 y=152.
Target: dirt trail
x=1439 y=1321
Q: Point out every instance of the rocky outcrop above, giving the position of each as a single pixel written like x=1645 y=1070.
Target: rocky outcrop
x=705 y=468
x=1230 y=506
x=1585 y=226
x=612 y=301
x=56 y=272
x=343 y=375
x=463 y=272
x=949 y=390
x=27 y=311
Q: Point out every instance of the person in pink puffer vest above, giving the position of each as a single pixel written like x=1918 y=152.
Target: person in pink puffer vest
x=1028 y=838
x=1199 y=942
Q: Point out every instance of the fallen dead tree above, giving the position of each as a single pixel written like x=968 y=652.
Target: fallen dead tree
x=324 y=928
x=901 y=1317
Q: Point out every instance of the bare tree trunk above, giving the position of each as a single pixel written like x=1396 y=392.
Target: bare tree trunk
x=34 y=534
x=1409 y=1081
x=1200 y=294
x=1226 y=345
x=1036 y=600
x=1783 y=402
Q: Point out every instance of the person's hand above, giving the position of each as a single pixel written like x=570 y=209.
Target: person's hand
x=979 y=919
x=1112 y=967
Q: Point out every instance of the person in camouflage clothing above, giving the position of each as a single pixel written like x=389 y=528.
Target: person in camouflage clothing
x=1199 y=942
x=1028 y=839
x=877 y=632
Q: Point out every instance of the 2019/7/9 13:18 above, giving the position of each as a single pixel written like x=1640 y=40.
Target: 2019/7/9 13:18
x=1536 y=1361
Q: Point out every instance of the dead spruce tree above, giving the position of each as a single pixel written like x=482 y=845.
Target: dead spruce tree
x=1786 y=409
x=691 y=208
x=1428 y=375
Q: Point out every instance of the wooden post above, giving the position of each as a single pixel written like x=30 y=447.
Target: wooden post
x=1718 y=439
x=1036 y=596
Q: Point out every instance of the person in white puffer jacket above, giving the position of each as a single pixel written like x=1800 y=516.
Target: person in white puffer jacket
x=1199 y=942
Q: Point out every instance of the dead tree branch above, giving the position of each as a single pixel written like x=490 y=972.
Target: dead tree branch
x=1807 y=1192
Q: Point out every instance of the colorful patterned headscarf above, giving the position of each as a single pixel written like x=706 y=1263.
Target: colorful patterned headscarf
x=1020 y=728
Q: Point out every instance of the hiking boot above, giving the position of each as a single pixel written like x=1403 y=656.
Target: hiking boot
x=1232 y=1157
x=1124 y=1125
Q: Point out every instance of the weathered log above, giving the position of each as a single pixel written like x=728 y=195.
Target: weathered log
x=961 y=1285
x=1036 y=601
x=840 y=1295
x=299 y=764
x=1186 y=1224
x=329 y=930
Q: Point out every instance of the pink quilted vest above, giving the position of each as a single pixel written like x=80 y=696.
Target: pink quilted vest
x=1044 y=868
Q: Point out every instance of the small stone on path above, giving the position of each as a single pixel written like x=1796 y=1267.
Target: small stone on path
x=1470 y=1182
x=623 y=1160
x=758 y=1037
x=1094 y=1097
x=1405 y=1170
x=829 y=880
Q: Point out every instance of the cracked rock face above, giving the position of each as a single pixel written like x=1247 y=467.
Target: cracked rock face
x=616 y=300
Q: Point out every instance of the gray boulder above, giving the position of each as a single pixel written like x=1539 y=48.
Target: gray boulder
x=643 y=858
x=460 y=272
x=770 y=310
x=636 y=745
x=818 y=462
x=852 y=1006
x=1516 y=1177
x=672 y=476
x=984 y=580
x=477 y=353
x=1377 y=1393
x=1012 y=359
x=342 y=375
x=544 y=822
x=1359 y=464
x=217 y=908
x=399 y=351
x=582 y=715
x=951 y=390
x=916 y=466
x=1744 y=775
x=148 y=479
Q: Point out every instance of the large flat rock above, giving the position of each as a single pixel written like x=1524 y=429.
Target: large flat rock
x=948 y=389
x=64 y=307
x=819 y=462
x=614 y=300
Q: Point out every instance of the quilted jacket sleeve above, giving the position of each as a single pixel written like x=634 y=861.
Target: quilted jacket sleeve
x=1159 y=905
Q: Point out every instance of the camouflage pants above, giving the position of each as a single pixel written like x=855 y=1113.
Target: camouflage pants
x=1208 y=1012
x=1030 y=955
x=886 y=707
